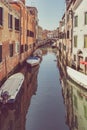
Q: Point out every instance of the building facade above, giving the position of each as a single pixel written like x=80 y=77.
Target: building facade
x=18 y=34
x=80 y=34
x=9 y=38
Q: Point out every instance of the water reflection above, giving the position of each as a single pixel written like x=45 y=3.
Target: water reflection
x=13 y=116
x=56 y=94
x=47 y=111
x=75 y=100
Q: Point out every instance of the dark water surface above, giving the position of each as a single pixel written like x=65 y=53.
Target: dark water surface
x=47 y=110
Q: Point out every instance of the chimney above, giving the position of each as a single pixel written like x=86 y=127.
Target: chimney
x=67 y=2
x=23 y=1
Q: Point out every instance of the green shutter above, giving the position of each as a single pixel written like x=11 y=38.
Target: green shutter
x=76 y=21
x=85 y=18
x=75 y=41
x=85 y=41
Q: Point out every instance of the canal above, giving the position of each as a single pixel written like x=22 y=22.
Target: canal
x=46 y=111
x=47 y=100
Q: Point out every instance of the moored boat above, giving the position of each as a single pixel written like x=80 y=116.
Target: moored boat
x=38 y=53
x=33 y=61
x=10 y=88
x=54 y=45
x=77 y=76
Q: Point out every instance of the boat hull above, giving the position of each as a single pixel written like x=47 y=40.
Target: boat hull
x=33 y=61
x=38 y=53
x=10 y=88
x=77 y=76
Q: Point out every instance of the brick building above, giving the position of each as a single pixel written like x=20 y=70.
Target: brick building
x=9 y=38
x=17 y=34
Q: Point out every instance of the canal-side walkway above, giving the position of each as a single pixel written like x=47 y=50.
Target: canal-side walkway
x=47 y=110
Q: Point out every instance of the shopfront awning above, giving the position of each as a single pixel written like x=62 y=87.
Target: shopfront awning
x=83 y=62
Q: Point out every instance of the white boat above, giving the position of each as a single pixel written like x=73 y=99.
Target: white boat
x=33 y=61
x=77 y=76
x=10 y=88
x=38 y=53
x=54 y=45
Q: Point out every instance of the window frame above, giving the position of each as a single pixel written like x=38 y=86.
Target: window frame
x=17 y=24
x=1 y=16
x=75 y=41
x=85 y=45
x=11 y=49
x=85 y=18
x=76 y=21
x=10 y=21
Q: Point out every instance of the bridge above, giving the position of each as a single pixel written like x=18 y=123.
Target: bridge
x=47 y=41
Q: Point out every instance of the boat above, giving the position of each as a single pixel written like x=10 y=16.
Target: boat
x=38 y=53
x=11 y=87
x=33 y=61
x=54 y=45
x=77 y=76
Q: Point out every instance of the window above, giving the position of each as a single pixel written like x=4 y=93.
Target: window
x=74 y=57
x=17 y=24
x=22 y=48
x=17 y=47
x=31 y=34
x=85 y=58
x=1 y=16
x=75 y=41
x=10 y=25
x=32 y=12
x=30 y=46
x=0 y=53
x=68 y=34
x=67 y=17
x=27 y=32
x=85 y=18
x=76 y=21
x=26 y=47
x=11 y=50
x=85 y=41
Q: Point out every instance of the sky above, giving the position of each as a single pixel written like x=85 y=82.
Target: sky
x=50 y=12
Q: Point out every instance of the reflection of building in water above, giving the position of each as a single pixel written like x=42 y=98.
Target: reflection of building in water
x=75 y=99
x=61 y=68
x=79 y=97
x=44 y=51
x=67 y=95
x=13 y=116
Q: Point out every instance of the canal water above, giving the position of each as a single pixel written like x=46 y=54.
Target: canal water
x=47 y=110
x=48 y=100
